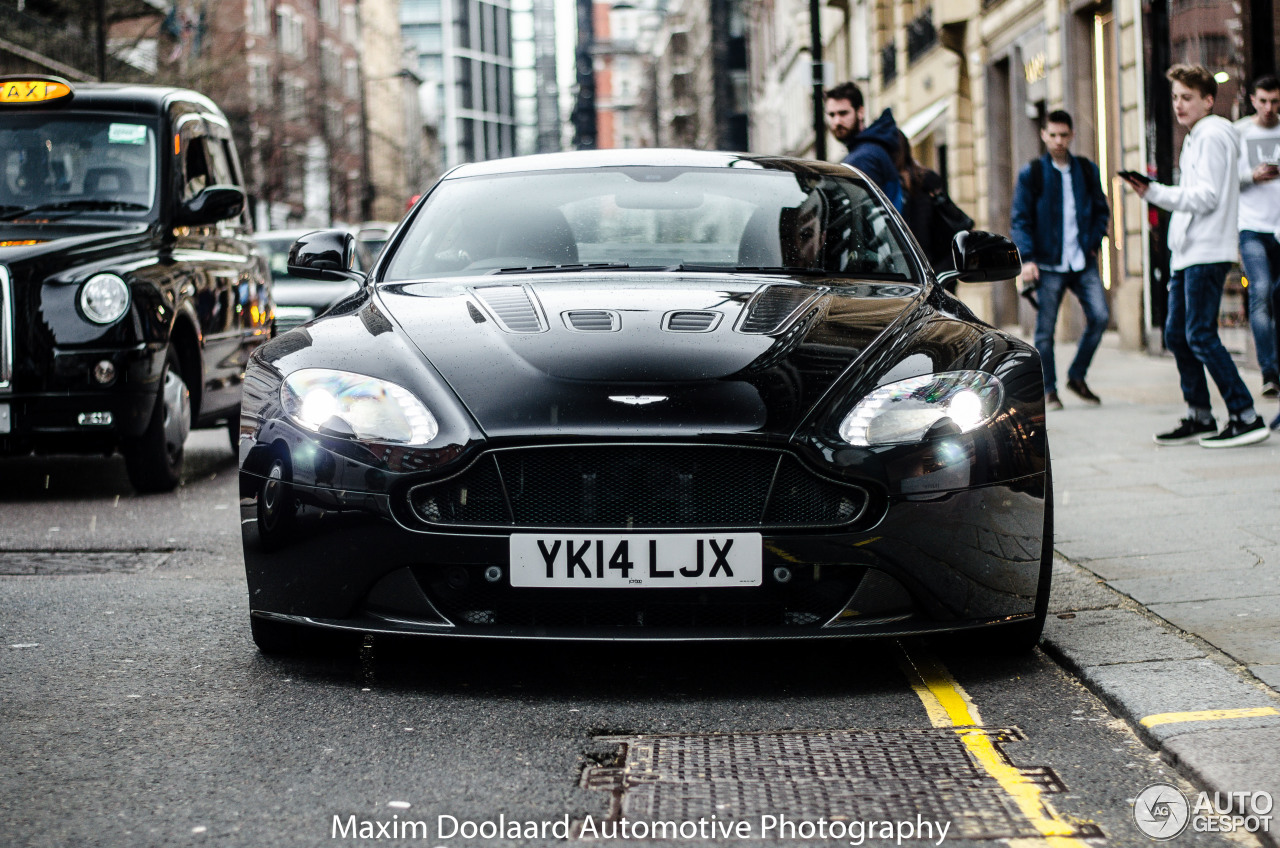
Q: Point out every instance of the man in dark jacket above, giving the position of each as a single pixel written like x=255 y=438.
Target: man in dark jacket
x=871 y=148
x=1059 y=233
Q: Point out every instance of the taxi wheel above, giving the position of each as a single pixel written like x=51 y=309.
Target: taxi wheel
x=154 y=459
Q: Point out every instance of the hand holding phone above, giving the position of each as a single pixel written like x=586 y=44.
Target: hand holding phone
x=1134 y=176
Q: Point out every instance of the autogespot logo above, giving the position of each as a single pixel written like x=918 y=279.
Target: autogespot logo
x=1161 y=811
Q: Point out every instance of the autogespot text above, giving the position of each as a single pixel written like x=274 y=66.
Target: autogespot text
x=773 y=827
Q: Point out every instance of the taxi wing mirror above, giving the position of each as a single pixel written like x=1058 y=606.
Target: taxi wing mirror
x=328 y=255
x=211 y=204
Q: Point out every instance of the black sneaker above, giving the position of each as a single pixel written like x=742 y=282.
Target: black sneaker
x=1052 y=401
x=1082 y=391
x=1236 y=434
x=1270 y=387
x=1188 y=431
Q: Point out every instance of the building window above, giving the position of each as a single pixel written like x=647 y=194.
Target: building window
x=329 y=12
x=352 y=79
x=259 y=84
x=259 y=17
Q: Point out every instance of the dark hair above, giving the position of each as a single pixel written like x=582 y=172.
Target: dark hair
x=1059 y=116
x=1268 y=83
x=846 y=91
x=911 y=171
x=1194 y=76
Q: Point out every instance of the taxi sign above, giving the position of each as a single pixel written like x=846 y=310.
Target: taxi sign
x=26 y=90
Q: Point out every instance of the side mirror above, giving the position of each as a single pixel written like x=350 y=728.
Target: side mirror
x=213 y=204
x=328 y=255
x=982 y=257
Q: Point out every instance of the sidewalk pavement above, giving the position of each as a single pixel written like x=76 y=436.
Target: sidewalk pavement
x=1166 y=597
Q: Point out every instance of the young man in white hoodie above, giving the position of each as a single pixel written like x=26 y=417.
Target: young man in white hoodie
x=1202 y=243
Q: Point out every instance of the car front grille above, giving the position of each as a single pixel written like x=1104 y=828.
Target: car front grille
x=811 y=597
x=638 y=487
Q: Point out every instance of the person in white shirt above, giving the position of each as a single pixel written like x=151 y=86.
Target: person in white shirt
x=1202 y=244
x=1259 y=212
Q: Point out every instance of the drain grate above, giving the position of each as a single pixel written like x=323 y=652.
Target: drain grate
x=867 y=775
x=46 y=563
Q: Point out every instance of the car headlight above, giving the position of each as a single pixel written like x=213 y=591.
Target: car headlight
x=904 y=412
x=339 y=403
x=104 y=298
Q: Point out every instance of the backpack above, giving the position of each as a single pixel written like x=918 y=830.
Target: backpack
x=1037 y=174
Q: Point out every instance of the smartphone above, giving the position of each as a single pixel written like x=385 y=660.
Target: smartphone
x=1135 y=176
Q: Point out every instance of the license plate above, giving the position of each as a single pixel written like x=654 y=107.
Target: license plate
x=4 y=418
x=635 y=561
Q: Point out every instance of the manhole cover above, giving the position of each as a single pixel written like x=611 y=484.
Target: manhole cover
x=40 y=563
x=850 y=775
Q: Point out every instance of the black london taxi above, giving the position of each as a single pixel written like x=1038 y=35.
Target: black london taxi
x=131 y=293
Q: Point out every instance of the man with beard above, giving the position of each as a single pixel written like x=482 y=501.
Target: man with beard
x=871 y=148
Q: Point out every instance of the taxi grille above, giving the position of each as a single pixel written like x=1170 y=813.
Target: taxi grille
x=636 y=487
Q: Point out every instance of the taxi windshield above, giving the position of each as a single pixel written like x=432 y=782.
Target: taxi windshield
x=67 y=164
x=652 y=218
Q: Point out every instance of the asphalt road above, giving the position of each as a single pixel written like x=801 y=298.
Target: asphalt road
x=135 y=710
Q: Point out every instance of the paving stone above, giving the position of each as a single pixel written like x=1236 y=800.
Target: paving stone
x=1108 y=636
x=1247 y=629
x=1268 y=674
x=1204 y=585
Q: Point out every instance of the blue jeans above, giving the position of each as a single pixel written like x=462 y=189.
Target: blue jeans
x=1191 y=334
x=1087 y=285
x=1260 y=256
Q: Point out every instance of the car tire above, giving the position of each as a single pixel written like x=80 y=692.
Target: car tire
x=277 y=509
x=277 y=637
x=154 y=459
x=233 y=431
x=1022 y=637
x=284 y=639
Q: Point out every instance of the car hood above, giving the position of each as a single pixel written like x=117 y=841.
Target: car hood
x=51 y=247
x=645 y=354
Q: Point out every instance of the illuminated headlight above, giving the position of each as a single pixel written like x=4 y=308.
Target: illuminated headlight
x=904 y=412
x=104 y=298
x=339 y=403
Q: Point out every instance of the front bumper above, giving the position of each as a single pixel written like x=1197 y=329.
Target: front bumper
x=72 y=413
x=932 y=562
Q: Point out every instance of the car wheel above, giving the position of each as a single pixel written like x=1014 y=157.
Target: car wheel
x=277 y=508
x=1024 y=636
x=277 y=637
x=233 y=431
x=154 y=459
x=283 y=638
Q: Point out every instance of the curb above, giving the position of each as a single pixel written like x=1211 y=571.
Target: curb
x=1202 y=711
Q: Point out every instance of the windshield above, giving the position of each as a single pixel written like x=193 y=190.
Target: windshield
x=80 y=164
x=651 y=217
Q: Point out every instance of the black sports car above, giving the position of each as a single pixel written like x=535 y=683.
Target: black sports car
x=647 y=395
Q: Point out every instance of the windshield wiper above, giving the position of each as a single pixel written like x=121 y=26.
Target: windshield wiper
x=752 y=269
x=12 y=213
x=570 y=267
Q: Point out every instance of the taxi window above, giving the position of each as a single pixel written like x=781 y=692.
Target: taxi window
x=195 y=168
x=55 y=158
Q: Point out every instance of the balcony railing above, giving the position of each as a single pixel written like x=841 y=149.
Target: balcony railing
x=921 y=35
x=889 y=62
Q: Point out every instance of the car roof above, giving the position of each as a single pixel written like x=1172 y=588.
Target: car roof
x=126 y=97
x=645 y=157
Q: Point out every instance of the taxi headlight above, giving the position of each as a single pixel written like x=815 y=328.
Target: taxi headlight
x=906 y=411
x=104 y=298
x=353 y=406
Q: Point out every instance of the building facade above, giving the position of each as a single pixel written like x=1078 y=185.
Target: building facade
x=969 y=82
x=464 y=50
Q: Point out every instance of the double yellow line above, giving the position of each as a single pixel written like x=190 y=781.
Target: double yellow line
x=948 y=705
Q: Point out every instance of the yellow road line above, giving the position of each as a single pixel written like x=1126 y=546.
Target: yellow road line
x=1207 y=715
x=948 y=705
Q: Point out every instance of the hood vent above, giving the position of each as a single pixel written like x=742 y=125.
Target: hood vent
x=774 y=307
x=691 y=322
x=593 y=320
x=513 y=307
